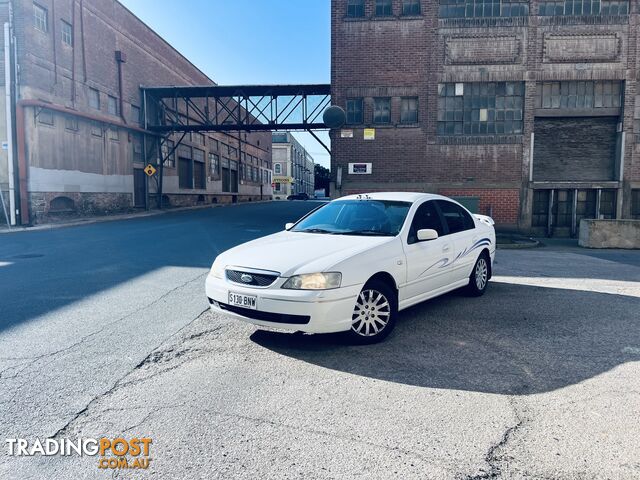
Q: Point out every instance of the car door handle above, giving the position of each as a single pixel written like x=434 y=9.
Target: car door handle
x=445 y=248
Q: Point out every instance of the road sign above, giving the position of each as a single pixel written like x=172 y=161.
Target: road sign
x=150 y=170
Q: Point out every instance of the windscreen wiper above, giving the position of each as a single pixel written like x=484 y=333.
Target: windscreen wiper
x=371 y=233
x=315 y=230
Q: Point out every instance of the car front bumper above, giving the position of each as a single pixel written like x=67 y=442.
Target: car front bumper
x=311 y=311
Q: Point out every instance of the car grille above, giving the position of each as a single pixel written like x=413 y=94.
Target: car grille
x=257 y=279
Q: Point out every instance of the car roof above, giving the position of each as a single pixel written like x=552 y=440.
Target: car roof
x=395 y=196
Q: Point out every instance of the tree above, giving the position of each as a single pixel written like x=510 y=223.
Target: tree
x=322 y=178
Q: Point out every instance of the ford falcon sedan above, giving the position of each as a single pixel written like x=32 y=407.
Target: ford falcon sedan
x=352 y=264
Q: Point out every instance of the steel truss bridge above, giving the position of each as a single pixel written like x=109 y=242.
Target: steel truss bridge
x=180 y=110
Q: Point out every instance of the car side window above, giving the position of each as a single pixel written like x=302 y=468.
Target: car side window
x=426 y=217
x=457 y=218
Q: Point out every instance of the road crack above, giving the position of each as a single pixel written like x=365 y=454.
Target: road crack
x=156 y=356
x=51 y=355
x=495 y=454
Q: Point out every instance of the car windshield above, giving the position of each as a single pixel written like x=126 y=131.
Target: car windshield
x=356 y=217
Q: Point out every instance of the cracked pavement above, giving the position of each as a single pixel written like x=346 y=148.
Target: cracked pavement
x=109 y=334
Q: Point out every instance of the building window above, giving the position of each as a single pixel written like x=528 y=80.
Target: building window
x=635 y=204
x=354 y=111
x=233 y=152
x=114 y=134
x=96 y=130
x=169 y=154
x=382 y=110
x=71 y=123
x=213 y=144
x=214 y=165
x=40 y=18
x=410 y=7
x=67 y=33
x=197 y=138
x=584 y=7
x=409 y=110
x=480 y=108
x=112 y=105
x=384 y=8
x=483 y=8
x=94 y=98
x=277 y=168
x=137 y=148
x=579 y=95
x=136 y=114
x=44 y=116
x=355 y=8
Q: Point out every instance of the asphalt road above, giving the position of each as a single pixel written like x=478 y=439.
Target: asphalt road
x=104 y=331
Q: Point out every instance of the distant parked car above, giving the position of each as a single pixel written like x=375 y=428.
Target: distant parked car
x=352 y=264
x=298 y=196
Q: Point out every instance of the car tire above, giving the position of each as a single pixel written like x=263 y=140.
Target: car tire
x=479 y=278
x=374 y=314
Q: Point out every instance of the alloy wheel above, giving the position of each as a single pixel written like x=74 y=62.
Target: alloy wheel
x=371 y=313
x=481 y=273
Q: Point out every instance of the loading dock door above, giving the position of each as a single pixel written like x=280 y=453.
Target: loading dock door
x=574 y=149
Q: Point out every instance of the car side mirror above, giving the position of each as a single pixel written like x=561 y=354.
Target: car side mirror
x=288 y=226
x=427 y=234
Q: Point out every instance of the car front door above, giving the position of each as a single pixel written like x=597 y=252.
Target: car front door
x=462 y=233
x=428 y=262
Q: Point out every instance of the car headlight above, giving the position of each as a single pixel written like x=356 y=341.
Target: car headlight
x=314 y=281
x=217 y=270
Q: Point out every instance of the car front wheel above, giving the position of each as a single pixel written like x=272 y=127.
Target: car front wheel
x=374 y=314
x=479 y=278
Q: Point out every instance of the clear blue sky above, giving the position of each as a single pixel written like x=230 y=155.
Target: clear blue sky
x=249 y=41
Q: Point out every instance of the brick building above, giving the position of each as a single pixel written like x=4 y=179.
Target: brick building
x=293 y=167
x=79 y=144
x=526 y=110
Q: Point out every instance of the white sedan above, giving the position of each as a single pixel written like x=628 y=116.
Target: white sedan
x=352 y=264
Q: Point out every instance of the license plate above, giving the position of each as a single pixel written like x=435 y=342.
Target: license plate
x=244 y=301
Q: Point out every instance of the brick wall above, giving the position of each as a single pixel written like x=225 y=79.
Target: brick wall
x=502 y=204
x=399 y=56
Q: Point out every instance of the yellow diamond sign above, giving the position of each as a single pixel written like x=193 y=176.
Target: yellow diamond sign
x=150 y=170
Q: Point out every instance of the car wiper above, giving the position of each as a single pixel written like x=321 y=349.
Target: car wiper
x=316 y=230
x=372 y=233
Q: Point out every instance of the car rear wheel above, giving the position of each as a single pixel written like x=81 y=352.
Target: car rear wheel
x=479 y=278
x=374 y=314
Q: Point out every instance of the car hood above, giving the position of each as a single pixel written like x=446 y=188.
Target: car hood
x=293 y=253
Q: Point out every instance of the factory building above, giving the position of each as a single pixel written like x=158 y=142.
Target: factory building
x=528 y=111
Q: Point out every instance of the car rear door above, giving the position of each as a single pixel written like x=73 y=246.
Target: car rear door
x=428 y=262
x=461 y=231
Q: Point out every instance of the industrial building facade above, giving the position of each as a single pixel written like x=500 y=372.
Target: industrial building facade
x=293 y=167
x=525 y=110
x=76 y=139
